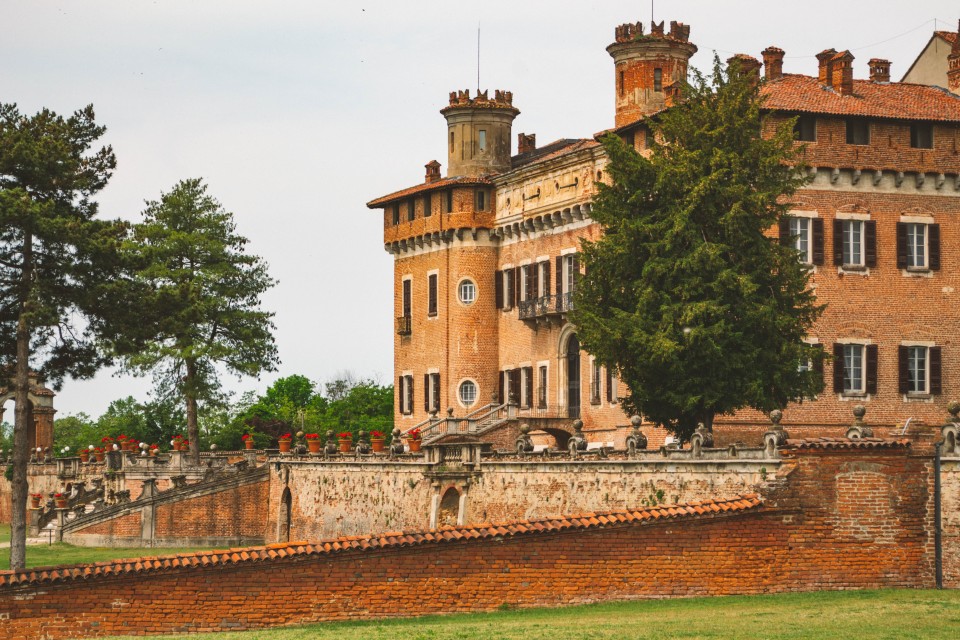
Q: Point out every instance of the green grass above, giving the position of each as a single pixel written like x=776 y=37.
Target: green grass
x=842 y=615
x=46 y=555
x=4 y=533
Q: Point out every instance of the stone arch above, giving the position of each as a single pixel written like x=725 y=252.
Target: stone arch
x=284 y=517
x=449 y=513
x=560 y=436
x=40 y=421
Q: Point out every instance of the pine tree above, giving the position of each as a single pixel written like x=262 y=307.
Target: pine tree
x=687 y=294
x=54 y=257
x=195 y=301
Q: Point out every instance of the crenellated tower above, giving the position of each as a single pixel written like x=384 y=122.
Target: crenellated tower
x=650 y=68
x=953 y=65
x=478 y=132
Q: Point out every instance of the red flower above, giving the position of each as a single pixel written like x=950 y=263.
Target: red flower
x=58 y=496
x=312 y=436
x=413 y=434
x=376 y=434
x=245 y=437
x=285 y=436
x=106 y=439
x=346 y=435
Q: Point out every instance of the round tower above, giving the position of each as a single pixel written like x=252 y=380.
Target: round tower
x=478 y=133
x=650 y=69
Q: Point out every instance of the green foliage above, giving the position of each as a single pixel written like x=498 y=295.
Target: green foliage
x=698 y=310
x=197 y=298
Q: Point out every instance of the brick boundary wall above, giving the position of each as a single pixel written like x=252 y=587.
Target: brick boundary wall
x=838 y=516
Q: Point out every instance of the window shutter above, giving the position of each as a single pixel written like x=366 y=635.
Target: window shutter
x=936 y=370
x=546 y=277
x=531 y=281
x=785 y=230
x=400 y=394
x=515 y=383
x=406 y=298
x=903 y=368
x=559 y=286
x=498 y=288
x=409 y=394
x=426 y=392
x=432 y=294
x=817 y=253
x=528 y=373
x=838 y=242
x=871 y=368
x=436 y=392
x=503 y=376
x=933 y=245
x=838 y=368
x=516 y=285
x=901 y=246
x=609 y=385
x=870 y=237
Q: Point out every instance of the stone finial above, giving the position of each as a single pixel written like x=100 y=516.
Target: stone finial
x=702 y=438
x=524 y=442
x=953 y=408
x=775 y=417
x=396 y=444
x=577 y=442
x=777 y=436
x=859 y=429
x=449 y=412
x=636 y=440
x=331 y=447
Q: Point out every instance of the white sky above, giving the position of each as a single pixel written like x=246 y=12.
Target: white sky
x=297 y=113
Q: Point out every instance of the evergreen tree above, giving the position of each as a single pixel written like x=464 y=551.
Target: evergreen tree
x=687 y=294
x=54 y=256
x=197 y=301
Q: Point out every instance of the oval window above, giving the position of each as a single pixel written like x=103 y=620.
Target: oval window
x=468 y=392
x=467 y=291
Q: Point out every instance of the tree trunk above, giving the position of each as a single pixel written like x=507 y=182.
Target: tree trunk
x=21 y=426
x=193 y=432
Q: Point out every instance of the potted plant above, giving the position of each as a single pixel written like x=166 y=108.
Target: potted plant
x=84 y=455
x=376 y=441
x=35 y=499
x=177 y=443
x=154 y=450
x=60 y=500
x=247 y=441
x=345 y=439
x=284 y=442
x=413 y=440
x=99 y=453
x=313 y=442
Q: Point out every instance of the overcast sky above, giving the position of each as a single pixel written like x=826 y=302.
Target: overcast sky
x=297 y=113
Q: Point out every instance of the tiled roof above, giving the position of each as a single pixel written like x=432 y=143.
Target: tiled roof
x=949 y=36
x=552 y=150
x=895 y=100
x=847 y=443
x=46 y=575
x=426 y=186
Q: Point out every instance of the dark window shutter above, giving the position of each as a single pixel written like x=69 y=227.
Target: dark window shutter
x=531 y=281
x=609 y=385
x=436 y=392
x=515 y=383
x=401 y=394
x=817 y=253
x=426 y=392
x=901 y=245
x=936 y=370
x=409 y=394
x=871 y=368
x=870 y=237
x=503 y=384
x=838 y=242
x=406 y=298
x=576 y=271
x=785 y=230
x=838 y=368
x=933 y=245
x=559 y=274
x=498 y=288
x=432 y=294
x=903 y=369
x=546 y=277
x=528 y=373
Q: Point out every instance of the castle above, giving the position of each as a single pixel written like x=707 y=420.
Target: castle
x=485 y=259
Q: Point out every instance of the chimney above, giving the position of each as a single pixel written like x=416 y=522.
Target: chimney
x=526 y=142
x=825 y=74
x=879 y=70
x=953 y=65
x=433 y=171
x=772 y=63
x=842 y=80
x=746 y=65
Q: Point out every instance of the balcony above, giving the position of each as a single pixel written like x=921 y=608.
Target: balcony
x=404 y=325
x=546 y=306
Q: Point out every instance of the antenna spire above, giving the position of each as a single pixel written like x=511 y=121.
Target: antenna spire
x=478 y=56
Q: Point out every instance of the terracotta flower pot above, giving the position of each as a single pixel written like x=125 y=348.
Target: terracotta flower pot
x=84 y=455
x=414 y=445
x=285 y=446
x=99 y=455
x=248 y=443
x=345 y=445
x=61 y=503
x=377 y=444
x=35 y=502
x=154 y=452
x=313 y=445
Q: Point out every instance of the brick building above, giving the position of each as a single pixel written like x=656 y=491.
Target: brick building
x=486 y=257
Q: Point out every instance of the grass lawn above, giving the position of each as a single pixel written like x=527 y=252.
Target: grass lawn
x=4 y=533
x=847 y=614
x=46 y=555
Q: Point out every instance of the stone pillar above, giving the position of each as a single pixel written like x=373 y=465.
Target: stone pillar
x=43 y=426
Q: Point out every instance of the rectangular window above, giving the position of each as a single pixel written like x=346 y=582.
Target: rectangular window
x=611 y=387
x=411 y=209
x=451 y=142
x=853 y=243
x=858 y=131
x=481 y=200
x=482 y=140
x=805 y=129
x=396 y=214
x=543 y=278
x=432 y=294
x=431 y=392
x=526 y=387
x=595 y=377
x=916 y=369
x=427 y=206
x=916 y=246
x=800 y=233
x=405 y=394
x=407 y=298
x=449 y=200
x=853 y=368
x=542 y=388
x=658 y=79
x=524 y=283
x=921 y=135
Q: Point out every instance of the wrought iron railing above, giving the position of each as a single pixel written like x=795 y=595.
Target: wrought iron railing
x=545 y=306
x=404 y=325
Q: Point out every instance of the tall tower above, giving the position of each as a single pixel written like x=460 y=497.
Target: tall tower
x=953 y=65
x=649 y=68
x=478 y=133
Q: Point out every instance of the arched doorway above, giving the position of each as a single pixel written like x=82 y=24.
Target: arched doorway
x=449 y=513
x=573 y=376
x=283 y=521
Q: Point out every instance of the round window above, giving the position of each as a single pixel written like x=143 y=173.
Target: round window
x=467 y=291
x=468 y=392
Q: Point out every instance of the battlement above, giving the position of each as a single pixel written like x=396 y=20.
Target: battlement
x=501 y=99
x=629 y=32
